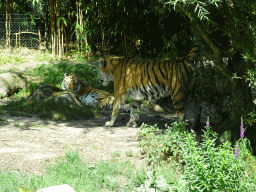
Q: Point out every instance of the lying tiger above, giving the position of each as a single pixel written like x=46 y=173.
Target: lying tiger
x=151 y=80
x=88 y=95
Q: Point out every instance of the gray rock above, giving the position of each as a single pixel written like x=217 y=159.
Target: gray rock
x=61 y=188
x=66 y=99
x=11 y=82
x=43 y=92
x=58 y=96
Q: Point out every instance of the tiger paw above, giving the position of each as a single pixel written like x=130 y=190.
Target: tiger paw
x=131 y=124
x=109 y=124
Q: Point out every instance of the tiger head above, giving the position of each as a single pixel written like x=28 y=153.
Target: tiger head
x=106 y=71
x=71 y=82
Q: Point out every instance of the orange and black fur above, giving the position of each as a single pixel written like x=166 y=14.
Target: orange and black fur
x=88 y=95
x=151 y=80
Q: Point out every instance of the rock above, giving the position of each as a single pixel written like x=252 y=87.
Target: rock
x=11 y=82
x=61 y=188
x=43 y=92
x=67 y=99
x=58 y=96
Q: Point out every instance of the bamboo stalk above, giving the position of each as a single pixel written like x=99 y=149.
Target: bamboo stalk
x=8 y=23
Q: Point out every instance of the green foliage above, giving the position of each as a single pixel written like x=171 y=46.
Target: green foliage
x=163 y=147
x=137 y=177
x=213 y=169
x=22 y=189
x=200 y=7
x=205 y=167
x=44 y=56
x=129 y=153
x=251 y=76
x=72 y=171
x=250 y=118
x=154 y=182
x=226 y=136
x=10 y=58
x=216 y=93
x=82 y=48
x=53 y=74
x=116 y=154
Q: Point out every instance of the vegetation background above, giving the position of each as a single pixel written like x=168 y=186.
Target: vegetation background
x=158 y=29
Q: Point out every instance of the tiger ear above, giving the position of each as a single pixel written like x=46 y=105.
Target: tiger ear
x=102 y=62
x=65 y=74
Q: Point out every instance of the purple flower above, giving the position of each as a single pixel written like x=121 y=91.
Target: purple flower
x=242 y=130
x=207 y=122
x=236 y=152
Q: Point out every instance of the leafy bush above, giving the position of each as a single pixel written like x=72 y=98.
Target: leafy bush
x=163 y=147
x=53 y=74
x=204 y=167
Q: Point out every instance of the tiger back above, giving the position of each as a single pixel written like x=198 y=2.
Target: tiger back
x=88 y=95
x=152 y=80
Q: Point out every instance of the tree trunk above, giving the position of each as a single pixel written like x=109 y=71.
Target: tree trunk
x=241 y=97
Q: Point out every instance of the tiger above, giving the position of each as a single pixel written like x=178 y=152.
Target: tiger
x=154 y=80
x=88 y=95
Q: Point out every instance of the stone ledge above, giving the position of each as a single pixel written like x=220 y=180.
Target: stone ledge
x=62 y=188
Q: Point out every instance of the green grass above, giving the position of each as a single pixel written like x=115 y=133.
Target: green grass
x=71 y=170
x=177 y=163
x=48 y=110
x=129 y=153
x=116 y=154
x=19 y=55
x=53 y=74
x=9 y=59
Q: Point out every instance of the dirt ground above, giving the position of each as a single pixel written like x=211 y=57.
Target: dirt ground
x=28 y=143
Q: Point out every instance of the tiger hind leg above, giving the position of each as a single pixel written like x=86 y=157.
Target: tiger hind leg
x=134 y=114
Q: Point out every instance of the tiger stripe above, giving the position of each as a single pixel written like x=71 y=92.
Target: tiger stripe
x=88 y=95
x=153 y=80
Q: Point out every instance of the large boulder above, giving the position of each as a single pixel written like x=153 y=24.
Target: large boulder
x=11 y=82
x=58 y=96
x=44 y=91
x=66 y=99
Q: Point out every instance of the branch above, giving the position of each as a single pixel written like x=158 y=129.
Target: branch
x=217 y=57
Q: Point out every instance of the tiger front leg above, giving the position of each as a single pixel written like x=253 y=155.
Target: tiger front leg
x=114 y=116
x=134 y=114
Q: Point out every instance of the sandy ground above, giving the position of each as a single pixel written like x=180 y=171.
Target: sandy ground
x=28 y=143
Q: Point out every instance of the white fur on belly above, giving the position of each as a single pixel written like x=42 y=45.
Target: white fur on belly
x=88 y=99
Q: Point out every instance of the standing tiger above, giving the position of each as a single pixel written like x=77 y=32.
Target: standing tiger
x=151 y=80
x=88 y=95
